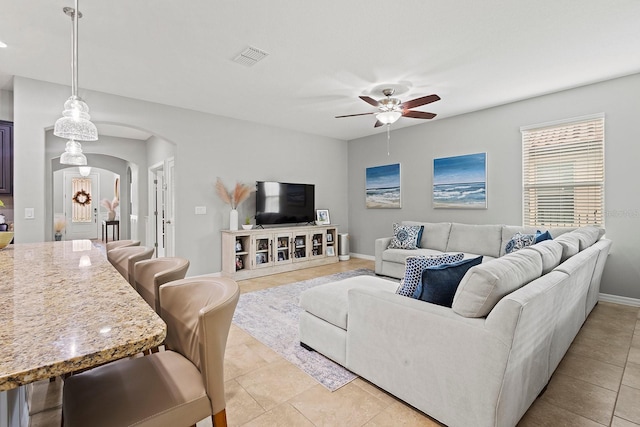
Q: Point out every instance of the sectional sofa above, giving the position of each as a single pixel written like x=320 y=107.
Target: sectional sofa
x=482 y=361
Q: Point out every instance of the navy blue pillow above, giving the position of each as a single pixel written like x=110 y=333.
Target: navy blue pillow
x=540 y=236
x=439 y=284
x=420 y=236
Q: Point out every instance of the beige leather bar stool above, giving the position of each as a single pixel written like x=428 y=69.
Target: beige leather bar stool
x=177 y=387
x=124 y=259
x=122 y=244
x=151 y=273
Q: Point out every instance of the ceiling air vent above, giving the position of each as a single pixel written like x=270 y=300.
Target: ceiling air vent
x=250 y=56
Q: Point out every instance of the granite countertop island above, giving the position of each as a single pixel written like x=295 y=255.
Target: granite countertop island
x=63 y=308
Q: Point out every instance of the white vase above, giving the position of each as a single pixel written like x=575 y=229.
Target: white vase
x=2 y=219
x=233 y=220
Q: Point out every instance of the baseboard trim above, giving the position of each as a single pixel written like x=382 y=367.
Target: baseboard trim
x=363 y=256
x=619 y=300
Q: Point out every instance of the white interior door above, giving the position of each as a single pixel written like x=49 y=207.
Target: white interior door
x=159 y=212
x=169 y=229
x=81 y=196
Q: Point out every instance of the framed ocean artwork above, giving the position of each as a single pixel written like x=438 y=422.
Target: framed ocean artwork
x=460 y=182
x=383 y=187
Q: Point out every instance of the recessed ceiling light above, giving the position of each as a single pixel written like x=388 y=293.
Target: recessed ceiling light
x=2 y=44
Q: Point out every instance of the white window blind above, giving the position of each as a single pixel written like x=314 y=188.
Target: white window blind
x=563 y=173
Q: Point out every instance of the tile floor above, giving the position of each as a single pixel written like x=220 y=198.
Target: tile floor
x=597 y=383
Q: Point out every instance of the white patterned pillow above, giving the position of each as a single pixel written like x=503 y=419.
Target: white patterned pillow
x=519 y=241
x=405 y=237
x=415 y=265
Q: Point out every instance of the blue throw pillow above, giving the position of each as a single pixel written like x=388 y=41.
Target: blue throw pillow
x=420 y=236
x=439 y=284
x=540 y=236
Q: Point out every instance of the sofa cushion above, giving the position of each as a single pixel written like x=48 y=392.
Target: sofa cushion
x=329 y=302
x=551 y=253
x=400 y=255
x=485 y=284
x=475 y=239
x=587 y=236
x=439 y=283
x=404 y=237
x=435 y=235
x=570 y=245
x=415 y=265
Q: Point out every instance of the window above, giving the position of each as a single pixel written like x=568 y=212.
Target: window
x=563 y=173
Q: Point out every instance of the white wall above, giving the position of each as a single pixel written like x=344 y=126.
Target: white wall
x=206 y=146
x=6 y=105
x=496 y=131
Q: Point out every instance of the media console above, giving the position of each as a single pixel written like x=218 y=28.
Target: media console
x=260 y=252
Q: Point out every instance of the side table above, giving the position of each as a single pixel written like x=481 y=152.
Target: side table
x=115 y=230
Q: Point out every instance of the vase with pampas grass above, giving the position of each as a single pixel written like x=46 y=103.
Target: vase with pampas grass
x=111 y=206
x=233 y=198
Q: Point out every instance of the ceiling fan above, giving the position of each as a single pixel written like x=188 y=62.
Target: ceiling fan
x=391 y=109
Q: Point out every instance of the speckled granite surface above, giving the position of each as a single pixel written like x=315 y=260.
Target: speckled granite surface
x=63 y=307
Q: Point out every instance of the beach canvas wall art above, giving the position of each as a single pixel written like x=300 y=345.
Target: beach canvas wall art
x=383 y=187
x=460 y=182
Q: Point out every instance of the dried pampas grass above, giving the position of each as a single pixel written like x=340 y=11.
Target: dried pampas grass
x=241 y=192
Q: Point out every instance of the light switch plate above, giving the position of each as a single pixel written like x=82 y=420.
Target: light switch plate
x=29 y=213
x=201 y=210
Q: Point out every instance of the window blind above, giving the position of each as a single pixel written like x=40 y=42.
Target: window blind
x=563 y=173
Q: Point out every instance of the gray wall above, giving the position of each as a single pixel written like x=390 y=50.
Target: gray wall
x=6 y=105
x=206 y=146
x=496 y=131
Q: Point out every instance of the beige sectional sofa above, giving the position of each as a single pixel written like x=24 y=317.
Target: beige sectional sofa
x=483 y=361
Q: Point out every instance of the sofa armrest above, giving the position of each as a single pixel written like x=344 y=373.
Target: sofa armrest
x=426 y=355
x=381 y=245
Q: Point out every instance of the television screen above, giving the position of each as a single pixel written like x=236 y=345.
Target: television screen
x=284 y=203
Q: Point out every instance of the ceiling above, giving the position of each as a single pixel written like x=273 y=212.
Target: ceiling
x=323 y=54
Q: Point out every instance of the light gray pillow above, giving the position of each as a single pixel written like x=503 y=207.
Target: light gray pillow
x=485 y=284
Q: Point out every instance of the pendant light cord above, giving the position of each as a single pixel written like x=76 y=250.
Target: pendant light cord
x=74 y=45
x=388 y=137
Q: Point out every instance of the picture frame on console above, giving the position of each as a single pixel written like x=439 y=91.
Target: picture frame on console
x=330 y=251
x=322 y=217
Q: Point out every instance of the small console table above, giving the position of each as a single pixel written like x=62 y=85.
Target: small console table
x=115 y=230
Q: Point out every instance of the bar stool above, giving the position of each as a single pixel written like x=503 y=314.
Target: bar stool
x=151 y=273
x=124 y=259
x=122 y=244
x=177 y=387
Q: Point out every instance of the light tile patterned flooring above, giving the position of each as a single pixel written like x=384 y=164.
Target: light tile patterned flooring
x=597 y=383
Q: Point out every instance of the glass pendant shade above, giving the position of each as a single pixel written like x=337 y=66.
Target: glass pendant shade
x=74 y=123
x=388 y=117
x=73 y=154
x=84 y=170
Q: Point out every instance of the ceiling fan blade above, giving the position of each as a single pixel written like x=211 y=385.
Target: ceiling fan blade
x=378 y=123
x=418 y=115
x=419 y=101
x=353 y=115
x=370 y=100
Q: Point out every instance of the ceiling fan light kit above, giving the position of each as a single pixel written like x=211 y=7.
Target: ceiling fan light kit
x=391 y=109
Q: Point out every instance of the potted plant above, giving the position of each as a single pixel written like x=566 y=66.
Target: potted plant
x=247 y=223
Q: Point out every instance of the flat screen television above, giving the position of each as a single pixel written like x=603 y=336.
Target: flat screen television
x=284 y=203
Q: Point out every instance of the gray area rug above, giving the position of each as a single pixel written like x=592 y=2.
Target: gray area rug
x=271 y=316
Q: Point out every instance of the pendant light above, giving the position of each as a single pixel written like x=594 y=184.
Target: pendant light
x=75 y=124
